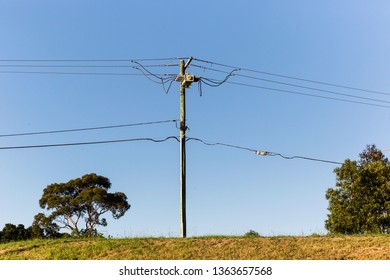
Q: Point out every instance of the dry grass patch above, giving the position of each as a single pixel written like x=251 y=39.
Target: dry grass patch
x=204 y=248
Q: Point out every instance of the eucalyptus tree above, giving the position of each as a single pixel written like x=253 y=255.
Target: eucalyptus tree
x=360 y=202
x=79 y=205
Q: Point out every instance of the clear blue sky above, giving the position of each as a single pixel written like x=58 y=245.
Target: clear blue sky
x=230 y=191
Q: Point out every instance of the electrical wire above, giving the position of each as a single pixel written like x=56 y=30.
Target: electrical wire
x=263 y=153
x=148 y=74
x=166 y=80
x=292 y=77
x=294 y=85
x=180 y=58
x=91 y=60
x=213 y=82
x=308 y=94
x=84 y=73
x=306 y=158
x=259 y=152
x=86 y=129
x=82 y=66
x=89 y=143
x=220 y=144
x=159 y=76
x=217 y=83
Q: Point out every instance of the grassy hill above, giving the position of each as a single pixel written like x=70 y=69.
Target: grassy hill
x=203 y=248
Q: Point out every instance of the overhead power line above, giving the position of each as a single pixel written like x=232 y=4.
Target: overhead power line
x=293 y=85
x=166 y=80
x=67 y=64
x=308 y=94
x=166 y=59
x=91 y=60
x=89 y=143
x=86 y=128
x=292 y=77
x=299 y=157
x=259 y=152
x=82 y=66
x=160 y=80
x=221 y=144
x=84 y=73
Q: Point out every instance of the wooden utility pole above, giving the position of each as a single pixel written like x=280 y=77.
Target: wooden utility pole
x=183 y=128
x=185 y=80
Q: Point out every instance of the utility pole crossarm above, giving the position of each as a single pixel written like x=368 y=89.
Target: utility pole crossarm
x=188 y=62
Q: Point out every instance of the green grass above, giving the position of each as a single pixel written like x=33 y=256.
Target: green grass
x=367 y=247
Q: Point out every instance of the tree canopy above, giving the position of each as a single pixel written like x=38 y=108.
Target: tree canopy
x=360 y=202
x=81 y=200
x=11 y=232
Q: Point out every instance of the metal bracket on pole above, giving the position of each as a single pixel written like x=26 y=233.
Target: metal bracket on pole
x=187 y=79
